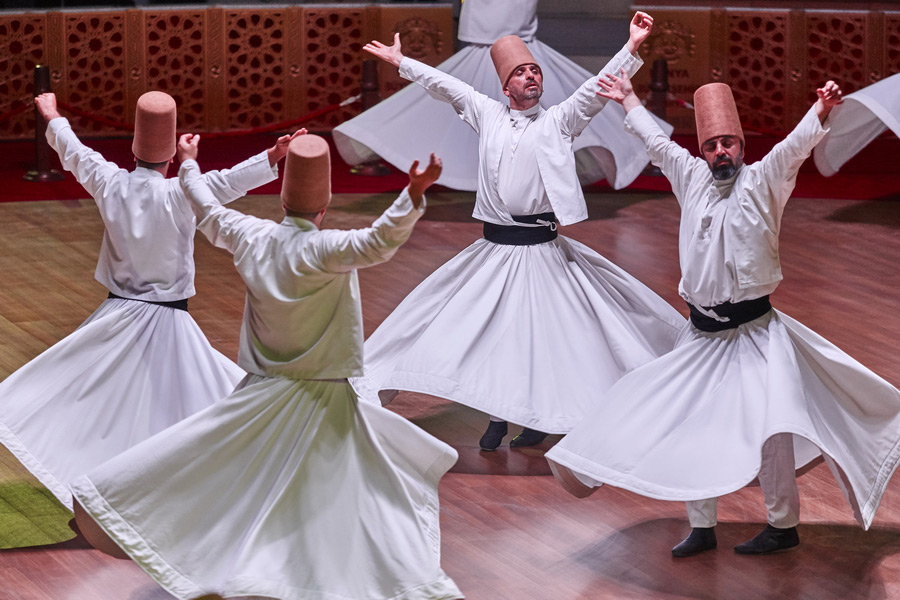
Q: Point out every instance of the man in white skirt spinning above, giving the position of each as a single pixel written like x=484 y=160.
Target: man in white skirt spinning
x=139 y=363
x=747 y=391
x=289 y=488
x=524 y=325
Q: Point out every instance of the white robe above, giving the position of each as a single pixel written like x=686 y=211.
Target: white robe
x=863 y=116
x=132 y=368
x=409 y=125
x=531 y=334
x=289 y=488
x=692 y=424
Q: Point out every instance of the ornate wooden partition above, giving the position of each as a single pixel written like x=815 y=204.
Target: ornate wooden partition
x=229 y=69
x=772 y=58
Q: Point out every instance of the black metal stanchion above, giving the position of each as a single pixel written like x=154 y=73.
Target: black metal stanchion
x=369 y=97
x=43 y=152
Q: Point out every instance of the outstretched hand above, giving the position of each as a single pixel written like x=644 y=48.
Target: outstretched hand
x=188 y=147
x=391 y=54
x=421 y=180
x=618 y=89
x=280 y=148
x=46 y=105
x=638 y=31
x=829 y=97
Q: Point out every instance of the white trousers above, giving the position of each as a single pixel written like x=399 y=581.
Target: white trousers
x=778 y=483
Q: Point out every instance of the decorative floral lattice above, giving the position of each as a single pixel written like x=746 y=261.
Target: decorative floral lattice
x=757 y=67
x=892 y=44
x=254 y=68
x=95 y=69
x=175 y=62
x=21 y=49
x=333 y=63
x=837 y=50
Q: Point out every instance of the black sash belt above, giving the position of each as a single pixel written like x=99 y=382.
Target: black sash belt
x=179 y=304
x=513 y=235
x=737 y=314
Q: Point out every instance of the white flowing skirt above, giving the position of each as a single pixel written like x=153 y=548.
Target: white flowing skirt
x=863 y=116
x=535 y=334
x=691 y=425
x=129 y=371
x=286 y=489
x=410 y=124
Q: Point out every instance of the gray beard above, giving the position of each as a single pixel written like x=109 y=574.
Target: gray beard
x=723 y=172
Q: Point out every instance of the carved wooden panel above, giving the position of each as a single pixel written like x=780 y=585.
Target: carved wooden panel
x=22 y=39
x=95 y=69
x=757 y=67
x=425 y=34
x=333 y=62
x=836 y=50
x=254 y=68
x=892 y=43
x=175 y=62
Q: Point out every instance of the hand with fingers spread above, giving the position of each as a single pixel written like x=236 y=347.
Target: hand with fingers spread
x=279 y=150
x=638 y=31
x=420 y=180
x=829 y=97
x=391 y=54
x=188 y=146
x=618 y=88
x=46 y=105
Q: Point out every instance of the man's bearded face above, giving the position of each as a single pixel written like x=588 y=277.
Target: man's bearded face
x=724 y=155
x=525 y=84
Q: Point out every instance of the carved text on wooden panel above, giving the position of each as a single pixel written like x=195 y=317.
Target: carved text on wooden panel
x=175 y=62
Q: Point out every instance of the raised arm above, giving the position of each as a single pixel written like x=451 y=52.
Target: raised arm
x=89 y=167
x=337 y=251
x=676 y=163
x=461 y=96
x=577 y=111
x=829 y=96
x=390 y=54
x=780 y=166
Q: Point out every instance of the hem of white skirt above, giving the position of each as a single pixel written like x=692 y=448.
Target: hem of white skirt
x=177 y=584
x=132 y=542
x=12 y=442
x=868 y=508
x=440 y=588
x=604 y=475
x=442 y=387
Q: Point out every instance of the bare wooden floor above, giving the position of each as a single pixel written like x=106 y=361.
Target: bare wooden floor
x=520 y=536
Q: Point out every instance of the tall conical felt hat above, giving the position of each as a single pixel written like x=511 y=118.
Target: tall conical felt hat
x=509 y=53
x=715 y=112
x=154 y=127
x=307 y=175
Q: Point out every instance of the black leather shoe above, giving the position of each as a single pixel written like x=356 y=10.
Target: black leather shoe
x=528 y=437
x=699 y=540
x=493 y=436
x=771 y=539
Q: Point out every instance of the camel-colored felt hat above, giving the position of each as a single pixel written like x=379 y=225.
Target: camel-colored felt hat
x=154 y=127
x=508 y=54
x=307 y=175
x=716 y=113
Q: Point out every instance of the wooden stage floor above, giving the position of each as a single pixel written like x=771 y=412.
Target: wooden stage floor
x=509 y=531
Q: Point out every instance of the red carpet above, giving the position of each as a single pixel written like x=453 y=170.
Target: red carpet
x=872 y=174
